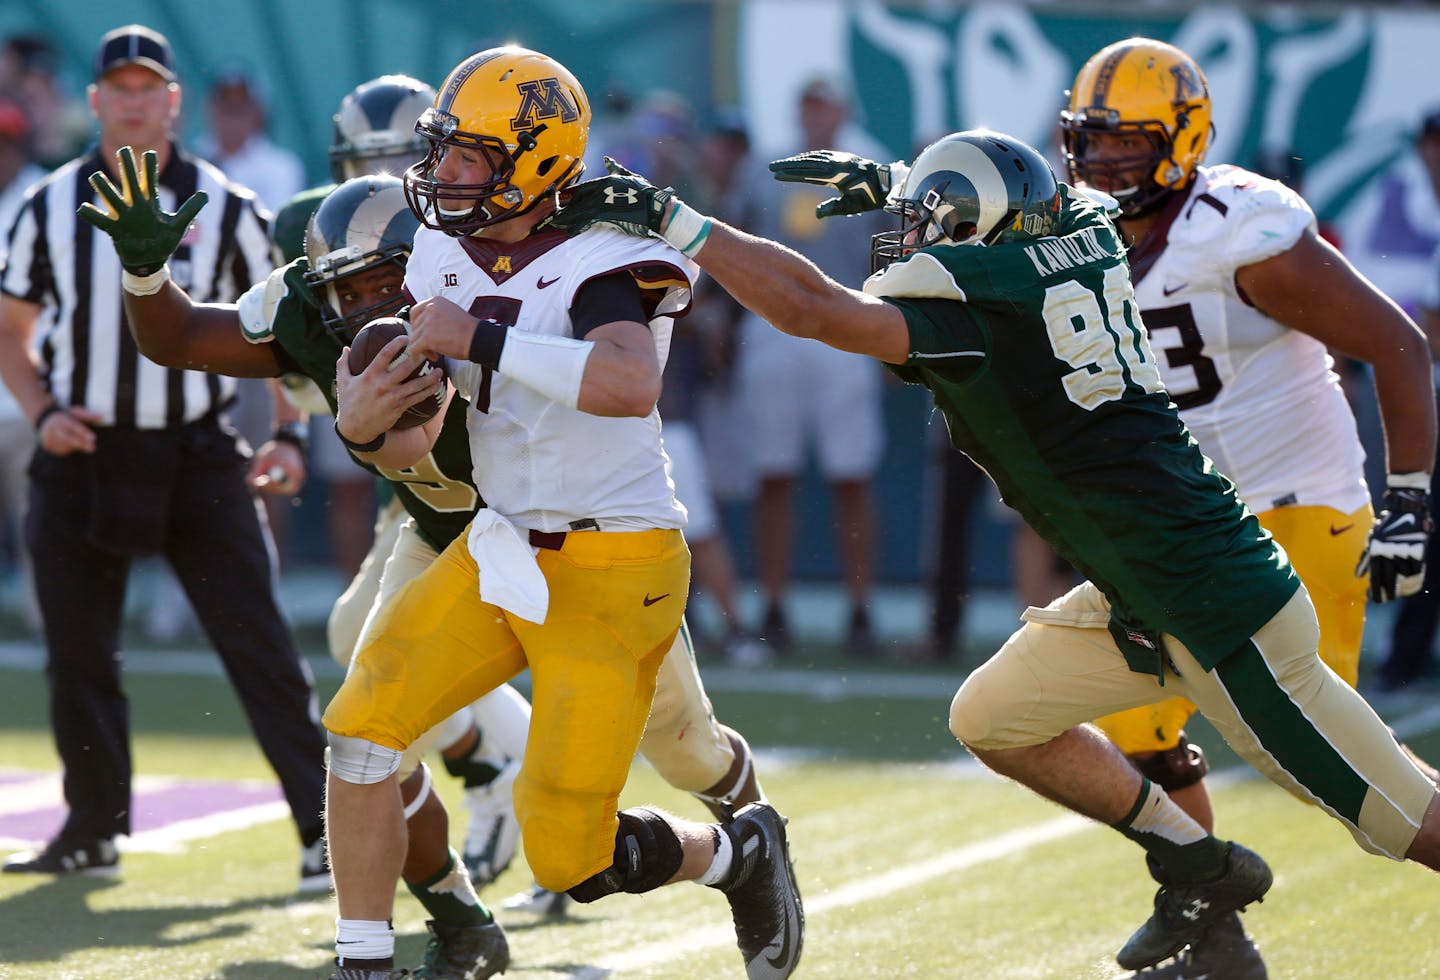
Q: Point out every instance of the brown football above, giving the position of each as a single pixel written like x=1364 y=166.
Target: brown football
x=368 y=342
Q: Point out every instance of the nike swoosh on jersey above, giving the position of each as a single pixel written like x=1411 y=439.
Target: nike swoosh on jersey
x=1172 y=290
x=1335 y=531
x=542 y=282
x=650 y=602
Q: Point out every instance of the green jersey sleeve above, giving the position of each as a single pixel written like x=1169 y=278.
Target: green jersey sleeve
x=939 y=331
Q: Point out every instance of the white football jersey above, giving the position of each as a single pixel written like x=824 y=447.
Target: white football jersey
x=537 y=462
x=1261 y=399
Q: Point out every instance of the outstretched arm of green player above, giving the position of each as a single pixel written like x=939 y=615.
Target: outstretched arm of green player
x=779 y=284
x=169 y=327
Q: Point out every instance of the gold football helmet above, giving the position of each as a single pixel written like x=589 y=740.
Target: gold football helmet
x=529 y=116
x=1139 y=86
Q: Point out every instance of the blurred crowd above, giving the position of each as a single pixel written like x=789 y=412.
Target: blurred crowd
x=751 y=415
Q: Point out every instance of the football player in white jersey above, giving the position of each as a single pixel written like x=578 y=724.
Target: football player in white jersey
x=558 y=341
x=1241 y=299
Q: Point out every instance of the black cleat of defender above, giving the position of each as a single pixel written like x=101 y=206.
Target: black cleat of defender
x=1184 y=912
x=464 y=952
x=764 y=898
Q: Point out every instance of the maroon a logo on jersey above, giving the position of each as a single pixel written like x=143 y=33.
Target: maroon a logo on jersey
x=542 y=98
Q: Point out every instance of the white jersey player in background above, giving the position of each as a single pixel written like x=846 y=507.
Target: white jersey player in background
x=1243 y=301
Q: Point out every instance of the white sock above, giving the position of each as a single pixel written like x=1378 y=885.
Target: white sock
x=364 y=939
x=720 y=866
x=1161 y=816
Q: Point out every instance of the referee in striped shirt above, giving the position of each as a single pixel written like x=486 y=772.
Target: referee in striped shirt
x=136 y=459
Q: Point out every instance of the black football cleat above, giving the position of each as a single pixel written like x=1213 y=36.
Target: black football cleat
x=92 y=858
x=1183 y=913
x=1223 y=952
x=464 y=952
x=764 y=898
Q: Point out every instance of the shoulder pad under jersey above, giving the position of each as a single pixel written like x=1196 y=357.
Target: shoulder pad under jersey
x=1236 y=218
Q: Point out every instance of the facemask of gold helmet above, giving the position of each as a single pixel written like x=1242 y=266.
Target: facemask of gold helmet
x=1146 y=88
x=529 y=117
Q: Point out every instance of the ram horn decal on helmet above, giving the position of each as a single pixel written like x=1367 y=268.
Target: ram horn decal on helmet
x=363 y=224
x=971 y=188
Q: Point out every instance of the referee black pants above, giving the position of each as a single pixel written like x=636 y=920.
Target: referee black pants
x=210 y=530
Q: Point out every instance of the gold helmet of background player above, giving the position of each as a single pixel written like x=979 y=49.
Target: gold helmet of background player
x=1139 y=86
x=526 y=112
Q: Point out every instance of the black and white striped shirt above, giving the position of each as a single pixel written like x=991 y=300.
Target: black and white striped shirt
x=70 y=269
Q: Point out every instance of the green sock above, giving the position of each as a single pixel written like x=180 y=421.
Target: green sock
x=1186 y=851
x=449 y=896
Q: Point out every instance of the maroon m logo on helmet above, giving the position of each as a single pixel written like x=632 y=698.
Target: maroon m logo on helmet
x=542 y=99
x=1188 y=84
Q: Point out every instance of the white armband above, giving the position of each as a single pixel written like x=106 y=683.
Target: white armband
x=144 y=285
x=687 y=229
x=553 y=366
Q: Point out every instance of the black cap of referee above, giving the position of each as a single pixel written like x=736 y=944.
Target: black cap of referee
x=135 y=45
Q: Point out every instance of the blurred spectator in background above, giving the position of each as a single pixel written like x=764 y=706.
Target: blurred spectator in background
x=610 y=130
x=721 y=157
x=17 y=437
x=29 y=70
x=1411 y=656
x=660 y=137
x=957 y=485
x=236 y=112
x=797 y=392
x=1394 y=227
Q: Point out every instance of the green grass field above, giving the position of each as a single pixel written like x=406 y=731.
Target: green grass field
x=913 y=862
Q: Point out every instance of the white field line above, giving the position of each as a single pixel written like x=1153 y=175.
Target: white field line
x=856 y=892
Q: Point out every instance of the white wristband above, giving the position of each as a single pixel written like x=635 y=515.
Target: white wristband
x=1408 y=481
x=144 y=285
x=687 y=229
x=553 y=366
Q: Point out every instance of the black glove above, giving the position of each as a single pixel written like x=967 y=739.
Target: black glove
x=1395 y=556
x=622 y=200
x=863 y=184
x=144 y=234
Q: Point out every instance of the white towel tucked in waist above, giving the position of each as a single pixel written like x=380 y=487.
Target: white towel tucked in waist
x=509 y=575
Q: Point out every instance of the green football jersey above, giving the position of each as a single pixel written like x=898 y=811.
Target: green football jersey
x=1037 y=358
x=438 y=491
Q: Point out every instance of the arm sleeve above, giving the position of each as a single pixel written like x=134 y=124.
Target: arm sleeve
x=606 y=299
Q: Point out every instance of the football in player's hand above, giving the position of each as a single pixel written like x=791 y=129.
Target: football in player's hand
x=368 y=343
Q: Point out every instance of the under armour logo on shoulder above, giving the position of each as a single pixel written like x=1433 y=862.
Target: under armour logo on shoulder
x=1197 y=908
x=629 y=196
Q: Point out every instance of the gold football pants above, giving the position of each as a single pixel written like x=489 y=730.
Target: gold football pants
x=616 y=601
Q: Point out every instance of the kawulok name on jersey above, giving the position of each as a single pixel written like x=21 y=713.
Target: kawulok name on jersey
x=1056 y=254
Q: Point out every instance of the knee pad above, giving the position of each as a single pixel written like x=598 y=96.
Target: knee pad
x=647 y=854
x=1176 y=768
x=359 y=760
